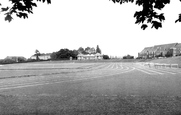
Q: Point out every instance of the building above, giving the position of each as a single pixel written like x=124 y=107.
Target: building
x=145 y=53
x=163 y=50
x=177 y=49
x=41 y=57
x=96 y=56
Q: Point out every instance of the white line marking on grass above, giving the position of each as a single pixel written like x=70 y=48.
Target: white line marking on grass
x=52 y=82
x=158 y=70
x=164 y=71
x=150 y=70
x=125 y=68
x=112 y=66
x=108 y=66
x=121 y=66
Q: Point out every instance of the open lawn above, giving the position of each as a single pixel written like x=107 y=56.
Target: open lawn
x=89 y=88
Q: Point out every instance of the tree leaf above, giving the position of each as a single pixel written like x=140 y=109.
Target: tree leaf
x=4 y=9
x=144 y=26
x=156 y=24
x=179 y=19
x=48 y=1
x=8 y=18
x=161 y=17
x=24 y=15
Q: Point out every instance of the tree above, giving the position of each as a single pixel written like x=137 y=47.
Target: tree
x=53 y=55
x=87 y=50
x=74 y=54
x=106 y=57
x=64 y=54
x=149 y=15
x=92 y=50
x=128 y=57
x=37 y=53
x=81 y=49
x=21 y=8
x=98 y=50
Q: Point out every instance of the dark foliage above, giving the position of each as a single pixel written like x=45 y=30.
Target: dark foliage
x=148 y=15
x=87 y=50
x=37 y=54
x=169 y=54
x=128 y=57
x=64 y=54
x=10 y=60
x=98 y=50
x=106 y=57
x=21 y=8
x=157 y=56
x=6 y=61
x=139 y=58
x=81 y=50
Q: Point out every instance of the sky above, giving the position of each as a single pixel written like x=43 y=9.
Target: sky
x=85 y=23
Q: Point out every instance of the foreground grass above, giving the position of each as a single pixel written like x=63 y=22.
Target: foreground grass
x=89 y=105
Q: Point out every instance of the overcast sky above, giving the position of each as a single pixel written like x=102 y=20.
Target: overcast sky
x=81 y=23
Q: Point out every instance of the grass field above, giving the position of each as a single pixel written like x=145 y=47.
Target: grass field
x=172 y=60
x=89 y=88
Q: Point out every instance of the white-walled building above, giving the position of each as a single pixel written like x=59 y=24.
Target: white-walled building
x=89 y=56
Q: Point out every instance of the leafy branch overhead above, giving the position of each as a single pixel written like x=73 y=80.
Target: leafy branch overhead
x=148 y=15
x=21 y=8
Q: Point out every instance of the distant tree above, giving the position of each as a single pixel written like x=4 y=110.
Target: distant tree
x=21 y=59
x=37 y=54
x=74 y=54
x=149 y=14
x=106 y=57
x=64 y=54
x=98 y=50
x=12 y=59
x=80 y=50
x=7 y=61
x=128 y=57
x=92 y=50
x=20 y=8
x=53 y=56
x=87 y=50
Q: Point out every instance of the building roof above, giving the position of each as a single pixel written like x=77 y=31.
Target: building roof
x=146 y=49
x=166 y=46
x=159 y=48
x=178 y=45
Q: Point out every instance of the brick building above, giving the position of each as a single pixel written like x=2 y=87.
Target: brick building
x=163 y=50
